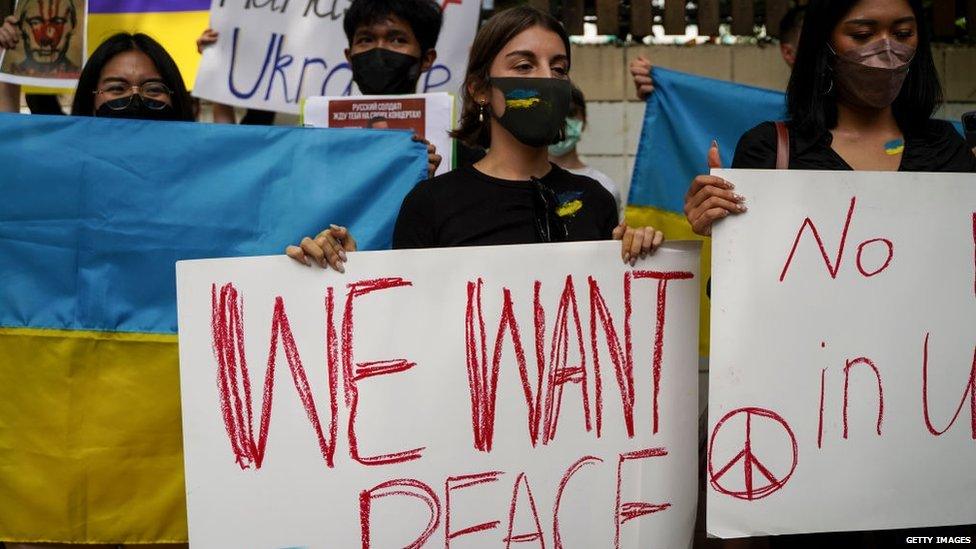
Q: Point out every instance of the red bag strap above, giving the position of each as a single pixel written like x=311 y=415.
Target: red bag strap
x=782 y=146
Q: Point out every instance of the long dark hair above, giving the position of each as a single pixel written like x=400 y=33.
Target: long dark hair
x=489 y=41
x=84 y=103
x=810 y=99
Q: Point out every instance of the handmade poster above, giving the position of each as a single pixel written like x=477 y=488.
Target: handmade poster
x=466 y=397
x=272 y=54
x=842 y=390
x=429 y=115
x=51 y=49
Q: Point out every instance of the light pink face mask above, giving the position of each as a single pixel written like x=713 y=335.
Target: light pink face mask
x=872 y=75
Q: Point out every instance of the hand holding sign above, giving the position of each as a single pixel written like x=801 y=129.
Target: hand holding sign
x=710 y=198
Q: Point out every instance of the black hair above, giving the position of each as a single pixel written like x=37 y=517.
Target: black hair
x=577 y=103
x=473 y=127
x=423 y=16
x=84 y=103
x=811 y=94
x=789 y=25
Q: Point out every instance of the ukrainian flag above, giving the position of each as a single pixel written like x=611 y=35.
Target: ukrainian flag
x=176 y=24
x=94 y=215
x=683 y=115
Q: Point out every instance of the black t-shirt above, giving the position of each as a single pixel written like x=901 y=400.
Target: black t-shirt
x=465 y=207
x=937 y=147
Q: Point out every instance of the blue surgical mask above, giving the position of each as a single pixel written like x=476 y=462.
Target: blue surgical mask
x=574 y=129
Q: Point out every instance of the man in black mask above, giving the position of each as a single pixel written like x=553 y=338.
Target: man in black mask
x=391 y=42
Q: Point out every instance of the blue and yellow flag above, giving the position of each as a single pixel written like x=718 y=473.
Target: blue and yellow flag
x=94 y=215
x=683 y=115
x=176 y=24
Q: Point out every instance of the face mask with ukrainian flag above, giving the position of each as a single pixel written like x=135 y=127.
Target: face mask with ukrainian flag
x=574 y=129
x=535 y=108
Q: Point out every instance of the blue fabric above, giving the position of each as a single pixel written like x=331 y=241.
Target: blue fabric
x=683 y=115
x=94 y=213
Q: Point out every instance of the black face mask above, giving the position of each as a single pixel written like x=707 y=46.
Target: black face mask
x=535 y=108
x=137 y=109
x=380 y=71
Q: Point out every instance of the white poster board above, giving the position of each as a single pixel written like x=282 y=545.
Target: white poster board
x=272 y=54
x=397 y=417
x=429 y=115
x=842 y=363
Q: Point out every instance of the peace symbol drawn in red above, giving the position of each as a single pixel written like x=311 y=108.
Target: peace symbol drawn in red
x=751 y=491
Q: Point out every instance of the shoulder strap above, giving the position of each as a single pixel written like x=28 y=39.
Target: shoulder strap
x=782 y=146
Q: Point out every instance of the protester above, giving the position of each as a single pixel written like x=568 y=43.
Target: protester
x=564 y=155
x=132 y=76
x=516 y=97
x=861 y=97
x=789 y=33
x=9 y=93
x=391 y=43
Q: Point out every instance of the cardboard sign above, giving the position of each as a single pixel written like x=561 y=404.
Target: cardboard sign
x=472 y=397
x=272 y=54
x=842 y=370
x=51 y=50
x=430 y=116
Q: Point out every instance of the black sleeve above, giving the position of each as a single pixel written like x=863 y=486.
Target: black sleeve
x=757 y=148
x=414 y=224
x=612 y=215
x=961 y=157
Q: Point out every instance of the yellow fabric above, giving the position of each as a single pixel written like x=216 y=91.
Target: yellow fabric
x=177 y=31
x=91 y=447
x=676 y=227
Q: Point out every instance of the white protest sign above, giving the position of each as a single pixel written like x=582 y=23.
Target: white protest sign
x=841 y=391
x=429 y=115
x=273 y=53
x=465 y=397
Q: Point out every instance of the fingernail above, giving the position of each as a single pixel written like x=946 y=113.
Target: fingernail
x=341 y=268
x=729 y=183
x=308 y=262
x=739 y=197
x=742 y=207
x=336 y=227
x=627 y=258
x=342 y=255
x=714 y=143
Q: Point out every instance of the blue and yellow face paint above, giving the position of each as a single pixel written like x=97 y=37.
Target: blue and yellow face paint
x=895 y=146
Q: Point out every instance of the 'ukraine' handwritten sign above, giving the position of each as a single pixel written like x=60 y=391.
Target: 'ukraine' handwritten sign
x=473 y=397
x=843 y=376
x=273 y=53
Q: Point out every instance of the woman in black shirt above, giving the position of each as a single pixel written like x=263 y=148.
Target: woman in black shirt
x=860 y=97
x=515 y=99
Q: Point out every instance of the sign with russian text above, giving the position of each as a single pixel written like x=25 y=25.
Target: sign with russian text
x=429 y=116
x=843 y=377
x=466 y=397
x=273 y=53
